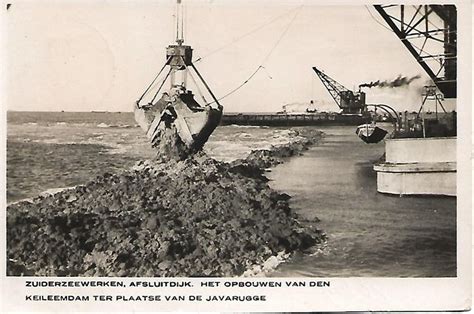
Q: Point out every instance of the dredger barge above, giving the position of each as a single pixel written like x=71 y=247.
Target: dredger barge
x=352 y=105
x=310 y=119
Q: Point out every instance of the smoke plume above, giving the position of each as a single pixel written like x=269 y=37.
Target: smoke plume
x=398 y=82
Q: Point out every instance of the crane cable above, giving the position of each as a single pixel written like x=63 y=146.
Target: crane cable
x=152 y=82
x=247 y=34
x=263 y=61
x=161 y=85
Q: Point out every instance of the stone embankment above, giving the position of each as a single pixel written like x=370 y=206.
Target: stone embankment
x=191 y=217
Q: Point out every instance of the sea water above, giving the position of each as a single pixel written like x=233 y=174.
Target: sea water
x=333 y=186
x=370 y=234
x=54 y=150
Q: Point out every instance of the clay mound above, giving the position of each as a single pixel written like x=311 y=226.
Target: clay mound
x=197 y=217
x=169 y=146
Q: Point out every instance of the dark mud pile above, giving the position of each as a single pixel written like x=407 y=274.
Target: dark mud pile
x=197 y=217
x=170 y=146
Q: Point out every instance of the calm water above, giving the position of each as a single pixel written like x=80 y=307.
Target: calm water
x=369 y=234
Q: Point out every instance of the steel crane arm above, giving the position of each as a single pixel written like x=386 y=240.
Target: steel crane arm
x=334 y=88
x=402 y=35
x=440 y=67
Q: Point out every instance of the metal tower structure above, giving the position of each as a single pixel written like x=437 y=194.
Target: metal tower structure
x=350 y=102
x=429 y=32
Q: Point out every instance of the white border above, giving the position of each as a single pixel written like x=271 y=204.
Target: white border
x=344 y=293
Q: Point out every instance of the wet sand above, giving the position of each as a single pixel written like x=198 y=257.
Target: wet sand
x=369 y=234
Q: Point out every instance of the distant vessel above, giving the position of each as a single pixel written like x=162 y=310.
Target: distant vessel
x=299 y=108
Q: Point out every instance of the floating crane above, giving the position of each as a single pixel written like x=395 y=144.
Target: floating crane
x=354 y=103
x=349 y=101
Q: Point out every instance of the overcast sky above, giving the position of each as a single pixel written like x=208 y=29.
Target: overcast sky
x=101 y=55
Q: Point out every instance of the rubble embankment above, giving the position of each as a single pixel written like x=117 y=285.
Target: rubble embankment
x=194 y=217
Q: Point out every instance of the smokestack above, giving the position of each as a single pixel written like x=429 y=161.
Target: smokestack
x=398 y=82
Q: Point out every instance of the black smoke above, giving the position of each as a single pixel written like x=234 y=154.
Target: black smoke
x=398 y=82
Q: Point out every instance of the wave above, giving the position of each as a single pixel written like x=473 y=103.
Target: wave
x=120 y=126
x=244 y=135
x=51 y=141
x=50 y=124
x=96 y=140
x=76 y=124
x=45 y=193
x=266 y=267
x=242 y=126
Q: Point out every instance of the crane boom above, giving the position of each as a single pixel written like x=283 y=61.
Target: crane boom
x=350 y=102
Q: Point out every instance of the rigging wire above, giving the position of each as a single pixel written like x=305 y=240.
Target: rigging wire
x=185 y=18
x=177 y=20
x=263 y=61
x=427 y=35
x=238 y=87
x=440 y=30
x=162 y=83
x=182 y=20
x=281 y=37
x=391 y=30
x=197 y=85
x=152 y=82
x=188 y=71
x=248 y=33
x=378 y=22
